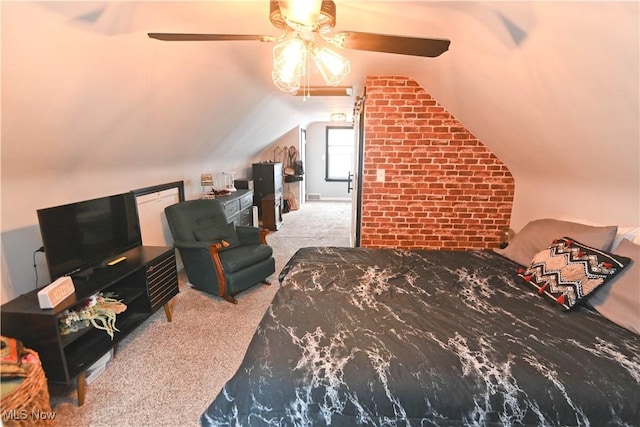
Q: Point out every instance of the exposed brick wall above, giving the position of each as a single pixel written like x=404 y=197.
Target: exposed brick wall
x=443 y=188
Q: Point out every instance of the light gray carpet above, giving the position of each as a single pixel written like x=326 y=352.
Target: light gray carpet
x=166 y=374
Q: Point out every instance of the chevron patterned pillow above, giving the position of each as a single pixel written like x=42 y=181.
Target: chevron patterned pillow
x=568 y=271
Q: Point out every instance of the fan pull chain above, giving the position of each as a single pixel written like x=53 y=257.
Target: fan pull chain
x=307 y=93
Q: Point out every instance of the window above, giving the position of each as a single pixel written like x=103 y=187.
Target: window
x=339 y=156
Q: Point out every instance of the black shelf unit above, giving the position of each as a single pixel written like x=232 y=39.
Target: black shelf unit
x=268 y=191
x=145 y=281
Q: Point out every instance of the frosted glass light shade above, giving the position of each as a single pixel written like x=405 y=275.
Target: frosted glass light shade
x=333 y=67
x=289 y=59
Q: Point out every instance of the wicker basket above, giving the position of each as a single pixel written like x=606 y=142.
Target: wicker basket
x=28 y=404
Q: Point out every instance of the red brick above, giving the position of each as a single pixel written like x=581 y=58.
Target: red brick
x=442 y=183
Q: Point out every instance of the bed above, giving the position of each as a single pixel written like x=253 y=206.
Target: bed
x=386 y=337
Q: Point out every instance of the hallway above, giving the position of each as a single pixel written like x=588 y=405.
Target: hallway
x=316 y=223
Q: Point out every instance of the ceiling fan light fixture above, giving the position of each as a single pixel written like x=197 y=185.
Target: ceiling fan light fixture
x=327 y=19
x=338 y=117
x=289 y=58
x=301 y=15
x=307 y=26
x=275 y=16
x=333 y=67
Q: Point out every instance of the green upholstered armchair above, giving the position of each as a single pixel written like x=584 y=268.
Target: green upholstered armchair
x=219 y=258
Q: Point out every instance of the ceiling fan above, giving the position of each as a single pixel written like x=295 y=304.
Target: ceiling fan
x=307 y=26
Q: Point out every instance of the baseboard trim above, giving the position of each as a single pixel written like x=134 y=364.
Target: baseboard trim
x=330 y=199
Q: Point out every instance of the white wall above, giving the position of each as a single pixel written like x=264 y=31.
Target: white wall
x=553 y=196
x=22 y=197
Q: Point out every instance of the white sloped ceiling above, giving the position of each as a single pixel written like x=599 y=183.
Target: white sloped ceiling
x=550 y=87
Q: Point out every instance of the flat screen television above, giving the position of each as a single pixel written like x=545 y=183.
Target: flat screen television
x=87 y=234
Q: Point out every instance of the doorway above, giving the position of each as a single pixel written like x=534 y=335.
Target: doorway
x=355 y=179
x=326 y=184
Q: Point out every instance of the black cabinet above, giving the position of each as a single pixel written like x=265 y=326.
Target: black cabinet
x=145 y=281
x=267 y=180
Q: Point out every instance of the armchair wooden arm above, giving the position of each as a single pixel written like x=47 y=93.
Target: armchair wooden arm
x=263 y=235
x=214 y=249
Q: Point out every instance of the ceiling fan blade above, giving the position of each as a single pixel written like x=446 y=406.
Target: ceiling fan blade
x=391 y=44
x=179 y=37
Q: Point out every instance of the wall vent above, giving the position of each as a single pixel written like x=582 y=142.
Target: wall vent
x=313 y=196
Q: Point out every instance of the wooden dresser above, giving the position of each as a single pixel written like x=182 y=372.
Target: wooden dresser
x=237 y=206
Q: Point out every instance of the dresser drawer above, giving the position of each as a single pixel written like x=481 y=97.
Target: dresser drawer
x=246 y=201
x=232 y=208
x=245 y=217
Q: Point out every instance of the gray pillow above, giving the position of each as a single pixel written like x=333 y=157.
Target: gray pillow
x=540 y=234
x=619 y=299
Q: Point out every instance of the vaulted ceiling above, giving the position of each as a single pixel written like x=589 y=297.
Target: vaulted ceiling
x=547 y=86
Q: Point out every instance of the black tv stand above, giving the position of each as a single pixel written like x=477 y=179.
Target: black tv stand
x=83 y=275
x=145 y=282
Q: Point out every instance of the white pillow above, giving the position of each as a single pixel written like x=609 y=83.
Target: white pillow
x=630 y=233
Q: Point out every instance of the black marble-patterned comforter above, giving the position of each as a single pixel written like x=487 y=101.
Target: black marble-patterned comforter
x=422 y=338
